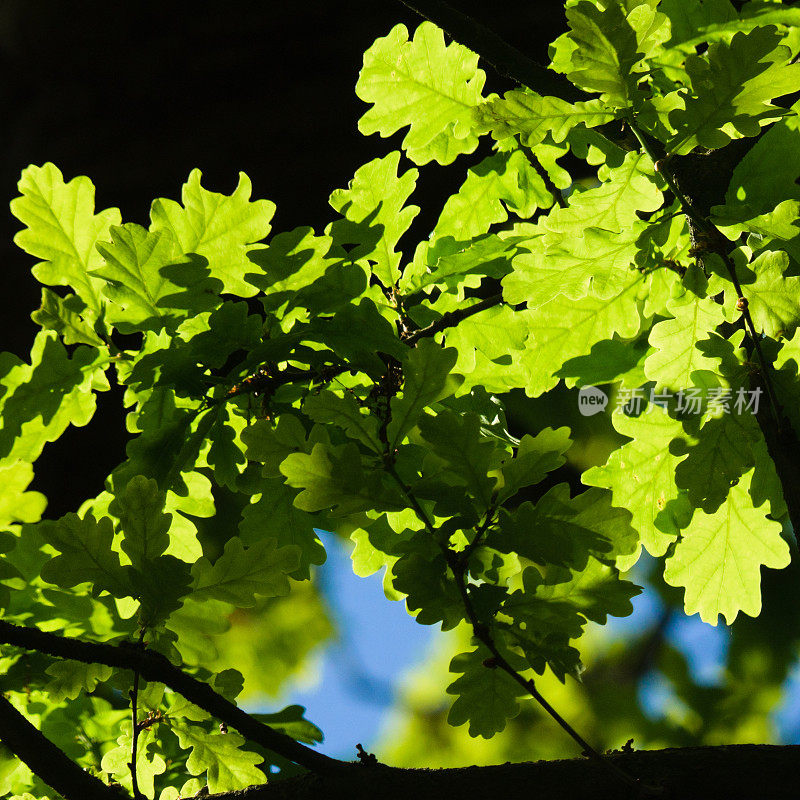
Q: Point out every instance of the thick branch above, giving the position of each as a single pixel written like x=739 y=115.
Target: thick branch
x=505 y=58
x=153 y=666
x=47 y=761
x=735 y=772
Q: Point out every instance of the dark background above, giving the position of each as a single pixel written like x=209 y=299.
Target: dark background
x=136 y=94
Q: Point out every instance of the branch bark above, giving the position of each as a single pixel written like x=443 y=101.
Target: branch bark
x=735 y=772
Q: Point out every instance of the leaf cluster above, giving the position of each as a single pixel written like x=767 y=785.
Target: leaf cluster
x=354 y=381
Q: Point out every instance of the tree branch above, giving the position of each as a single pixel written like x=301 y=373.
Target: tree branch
x=49 y=762
x=733 y=772
x=153 y=666
x=505 y=58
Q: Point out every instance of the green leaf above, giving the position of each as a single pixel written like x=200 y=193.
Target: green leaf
x=461 y=449
x=228 y=328
x=62 y=315
x=488 y=345
x=778 y=227
x=596 y=591
x=43 y=399
x=145 y=526
x=532 y=117
x=359 y=333
x=117 y=760
x=423 y=84
x=549 y=612
x=692 y=23
x=220 y=756
x=534 y=458
x=292 y=722
x=566 y=531
x=562 y=329
x=610 y=361
x=70 y=678
x=303 y=274
x=85 y=554
x=225 y=453
x=17 y=505
x=291 y=261
x=240 y=574
x=733 y=86
x=641 y=476
x=451 y=263
x=149 y=283
x=271 y=445
x=160 y=588
x=334 y=477
x=596 y=263
x=218 y=227
x=773 y=297
x=608 y=48
x=766 y=174
x=542 y=627
x=719 y=557
x=612 y=206
x=476 y=206
x=62 y=229
x=375 y=214
x=422 y=574
x=720 y=453
x=379 y=543
x=229 y=683
x=677 y=354
x=426 y=379
x=343 y=411
x=169 y=443
x=486 y=697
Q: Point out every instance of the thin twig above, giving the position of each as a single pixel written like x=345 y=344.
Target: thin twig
x=135 y=724
x=481 y=632
x=451 y=318
x=488 y=519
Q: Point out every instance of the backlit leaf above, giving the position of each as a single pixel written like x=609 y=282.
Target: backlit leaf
x=719 y=557
x=425 y=85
